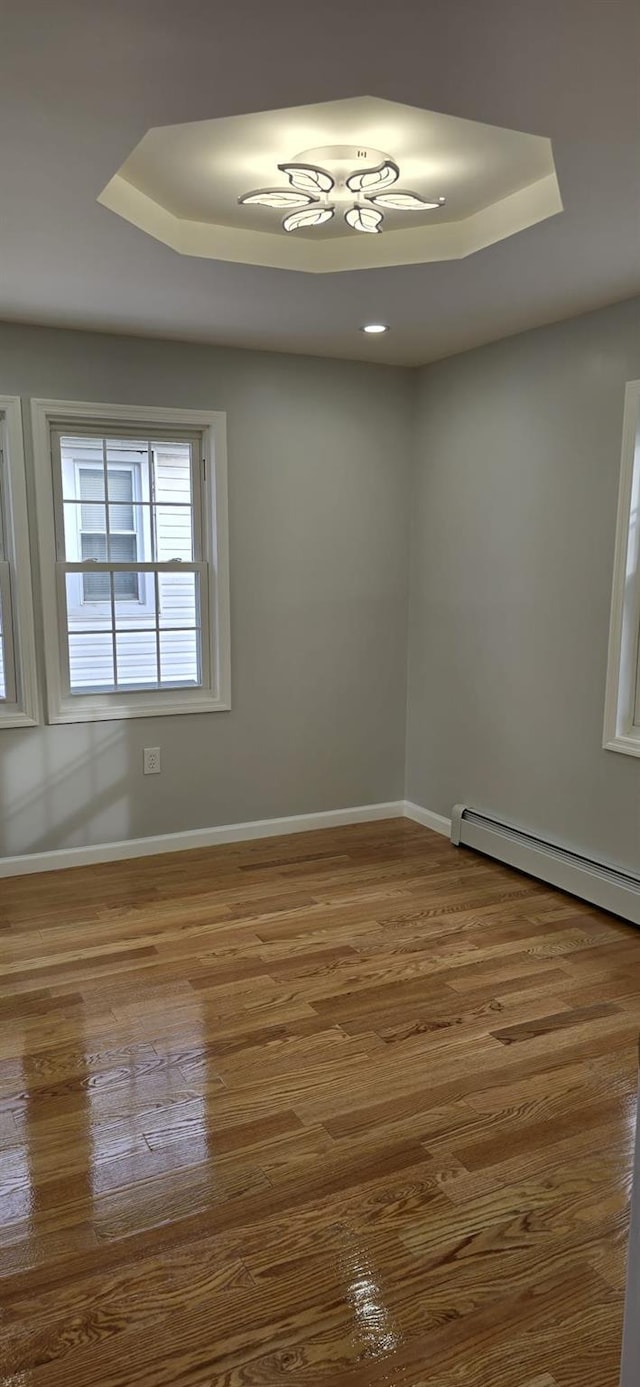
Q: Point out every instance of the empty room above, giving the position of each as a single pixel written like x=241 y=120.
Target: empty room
x=319 y=693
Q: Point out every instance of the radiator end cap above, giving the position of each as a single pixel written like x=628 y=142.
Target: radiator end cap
x=456 y=823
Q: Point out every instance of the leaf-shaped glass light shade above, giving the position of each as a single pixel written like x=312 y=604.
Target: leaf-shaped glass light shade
x=399 y=201
x=284 y=198
x=307 y=216
x=307 y=178
x=374 y=180
x=364 y=219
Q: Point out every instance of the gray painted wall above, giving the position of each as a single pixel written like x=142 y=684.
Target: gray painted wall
x=514 y=507
x=516 y=454
x=319 y=456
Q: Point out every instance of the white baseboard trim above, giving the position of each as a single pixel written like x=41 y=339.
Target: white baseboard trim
x=196 y=838
x=427 y=818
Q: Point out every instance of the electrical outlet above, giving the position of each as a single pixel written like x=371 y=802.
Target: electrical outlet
x=151 y=760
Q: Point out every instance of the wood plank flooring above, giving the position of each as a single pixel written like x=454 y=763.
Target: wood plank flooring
x=351 y=1107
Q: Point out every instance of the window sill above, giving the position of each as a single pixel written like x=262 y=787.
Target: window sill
x=118 y=712
x=628 y=743
x=17 y=719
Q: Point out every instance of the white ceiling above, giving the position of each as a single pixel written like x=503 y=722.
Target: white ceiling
x=81 y=81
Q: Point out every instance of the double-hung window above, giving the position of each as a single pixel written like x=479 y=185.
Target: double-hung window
x=18 y=684
x=622 y=704
x=132 y=516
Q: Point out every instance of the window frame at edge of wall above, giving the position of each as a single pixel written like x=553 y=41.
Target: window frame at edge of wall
x=25 y=711
x=621 y=732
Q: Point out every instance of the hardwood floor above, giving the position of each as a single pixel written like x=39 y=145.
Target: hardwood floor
x=352 y=1107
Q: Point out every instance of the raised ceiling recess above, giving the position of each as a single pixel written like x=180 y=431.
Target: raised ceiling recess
x=203 y=187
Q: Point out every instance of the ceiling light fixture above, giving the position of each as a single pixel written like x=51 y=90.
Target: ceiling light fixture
x=361 y=193
x=406 y=202
x=283 y=198
x=364 y=218
x=374 y=180
x=308 y=216
x=374 y=328
x=308 y=178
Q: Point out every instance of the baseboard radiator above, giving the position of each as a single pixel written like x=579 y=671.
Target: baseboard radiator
x=596 y=882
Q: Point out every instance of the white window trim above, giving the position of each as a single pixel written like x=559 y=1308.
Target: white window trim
x=621 y=729
x=64 y=708
x=25 y=712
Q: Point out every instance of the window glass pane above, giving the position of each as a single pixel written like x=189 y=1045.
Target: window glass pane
x=117 y=448
x=8 y=692
x=123 y=548
x=121 y=492
x=77 y=453
x=91 y=661
x=179 y=599
x=139 y=641
x=137 y=658
x=121 y=518
x=91 y=483
x=180 y=657
x=93 y=547
x=3 y=677
x=140 y=614
x=95 y=587
x=92 y=516
x=120 y=483
x=171 y=464
x=128 y=501
x=126 y=534
x=127 y=455
x=79 y=518
x=173 y=533
x=87 y=612
x=2 y=538
x=126 y=587
x=148 y=487
x=91 y=487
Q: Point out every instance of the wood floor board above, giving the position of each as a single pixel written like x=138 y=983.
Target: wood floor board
x=515 y=1163
x=546 y=1093
x=551 y=981
x=340 y=1109
x=450 y=1020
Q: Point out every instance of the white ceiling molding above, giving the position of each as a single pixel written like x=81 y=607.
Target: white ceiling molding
x=492 y=182
x=414 y=246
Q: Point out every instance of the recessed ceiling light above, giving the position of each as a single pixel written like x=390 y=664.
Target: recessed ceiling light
x=374 y=327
